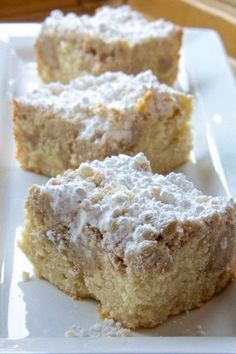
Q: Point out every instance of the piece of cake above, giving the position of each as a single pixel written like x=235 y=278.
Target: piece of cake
x=144 y=245
x=57 y=127
x=114 y=39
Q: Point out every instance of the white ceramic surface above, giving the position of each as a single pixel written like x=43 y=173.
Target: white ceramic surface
x=34 y=315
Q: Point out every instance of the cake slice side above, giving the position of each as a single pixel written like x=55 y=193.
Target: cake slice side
x=57 y=127
x=114 y=39
x=145 y=246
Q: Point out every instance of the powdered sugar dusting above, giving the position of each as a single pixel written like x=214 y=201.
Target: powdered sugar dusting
x=128 y=204
x=109 y=24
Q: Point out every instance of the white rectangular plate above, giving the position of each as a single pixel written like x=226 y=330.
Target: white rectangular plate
x=34 y=315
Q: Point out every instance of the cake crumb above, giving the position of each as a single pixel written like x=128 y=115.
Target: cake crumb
x=71 y=332
x=26 y=276
x=106 y=328
x=201 y=331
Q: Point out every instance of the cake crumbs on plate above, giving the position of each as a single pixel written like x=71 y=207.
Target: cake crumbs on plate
x=26 y=276
x=106 y=328
x=201 y=331
x=70 y=333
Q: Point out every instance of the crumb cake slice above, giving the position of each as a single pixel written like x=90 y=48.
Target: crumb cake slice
x=59 y=126
x=144 y=245
x=114 y=39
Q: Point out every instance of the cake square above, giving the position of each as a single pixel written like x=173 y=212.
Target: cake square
x=114 y=39
x=58 y=126
x=146 y=246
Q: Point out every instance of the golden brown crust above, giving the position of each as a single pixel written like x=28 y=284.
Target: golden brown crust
x=228 y=278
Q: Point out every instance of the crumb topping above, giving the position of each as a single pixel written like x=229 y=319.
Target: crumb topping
x=88 y=94
x=129 y=205
x=109 y=24
x=105 y=107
